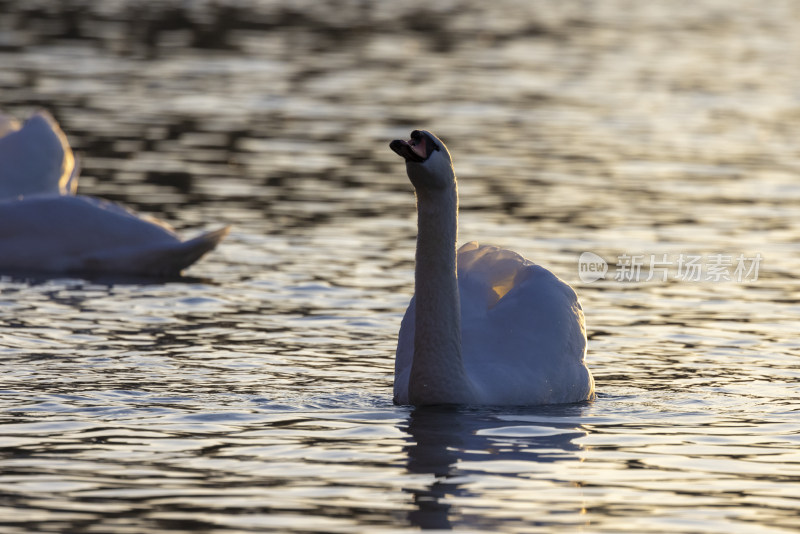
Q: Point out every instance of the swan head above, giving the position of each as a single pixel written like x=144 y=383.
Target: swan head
x=428 y=162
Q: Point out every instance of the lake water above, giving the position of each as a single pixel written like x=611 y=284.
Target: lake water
x=255 y=394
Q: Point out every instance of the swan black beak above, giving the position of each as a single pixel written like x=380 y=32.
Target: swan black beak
x=404 y=149
x=417 y=149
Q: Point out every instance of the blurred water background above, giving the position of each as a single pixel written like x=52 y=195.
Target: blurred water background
x=255 y=395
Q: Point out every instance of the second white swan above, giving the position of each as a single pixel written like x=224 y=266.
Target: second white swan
x=46 y=228
x=485 y=326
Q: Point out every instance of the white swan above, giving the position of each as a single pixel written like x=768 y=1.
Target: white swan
x=485 y=326
x=45 y=228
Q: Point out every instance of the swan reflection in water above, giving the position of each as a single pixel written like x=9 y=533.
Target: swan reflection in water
x=457 y=445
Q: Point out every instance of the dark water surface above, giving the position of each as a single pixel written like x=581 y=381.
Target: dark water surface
x=255 y=396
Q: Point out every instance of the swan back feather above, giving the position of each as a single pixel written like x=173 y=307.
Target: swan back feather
x=36 y=158
x=524 y=347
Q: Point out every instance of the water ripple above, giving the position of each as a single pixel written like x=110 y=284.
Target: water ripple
x=254 y=395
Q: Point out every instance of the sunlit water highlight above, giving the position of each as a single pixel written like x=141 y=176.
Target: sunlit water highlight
x=256 y=394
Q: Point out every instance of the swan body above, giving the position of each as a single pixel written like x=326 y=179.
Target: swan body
x=485 y=326
x=46 y=228
x=81 y=234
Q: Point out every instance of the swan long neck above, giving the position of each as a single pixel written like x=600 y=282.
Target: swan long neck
x=437 y=371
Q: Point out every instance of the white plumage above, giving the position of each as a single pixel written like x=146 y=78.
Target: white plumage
x=45 y=228
x=35 y=158
x=486 y=326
